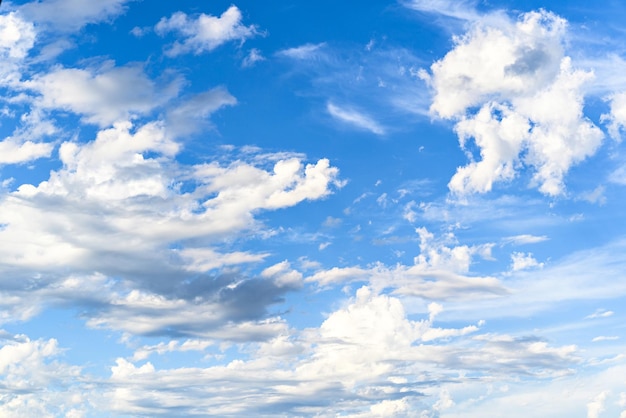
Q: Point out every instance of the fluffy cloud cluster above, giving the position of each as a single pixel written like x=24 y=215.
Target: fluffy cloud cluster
x=17 y=37
x=102 y=95
x=367 y=358
x=69 y=15
x=510 y=88
x=441 y=271
x=122 y=228
x=118 y=209
x=29 y=374
x=206 y=32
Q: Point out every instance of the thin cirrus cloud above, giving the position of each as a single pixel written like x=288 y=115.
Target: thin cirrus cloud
x=304 y=52
x=355 y=118
x=382 y=80
x=463 y=9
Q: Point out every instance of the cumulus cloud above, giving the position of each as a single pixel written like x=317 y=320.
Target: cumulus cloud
x=366 y=358
x=125 y=187
x=71 y=15
x=33 y=382
x=439 y=272
x=104 y=95
x=522 y=261
x=17 y=36
x=596 y=406
x=529 y=99
x=204 y=33
x=13 y=151
x=355 y=118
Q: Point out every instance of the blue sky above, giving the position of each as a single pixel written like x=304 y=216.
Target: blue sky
x=407 y=208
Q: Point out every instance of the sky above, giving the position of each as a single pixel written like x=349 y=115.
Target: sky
x=388 y=208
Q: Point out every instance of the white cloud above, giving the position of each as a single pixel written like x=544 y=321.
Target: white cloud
x=604 y=338
x=206 y=32
x=283 y=274
x=617 y=116
x=530 y=102
x=145 y=351
x=439 y=272
x=523 y=261
x=103 y=96
x=525 y=239
x=619 y=176
x=600 y=313
x=595 y=196
x=17 y=36
x=303 y=52
x=71 y=15
x=191 y=114
x=519 y=399
x=355 y=118
x=460 y=9
x=124 y=186
x=15 y=152
x=366 y=358
x=596 y=406
x=252 y=58
x=331 y=222
x=383 y=81
x=389 y=408
x=323 y=245
x=34 y=383
x=587 y=275
x=206 y=259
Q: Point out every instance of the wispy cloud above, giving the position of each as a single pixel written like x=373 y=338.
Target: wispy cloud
x=252 y=58
x=525 y=239
x=600 y=313
x=355 y=118
x=605 y=338
x=460 y=9
x=303 y=52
